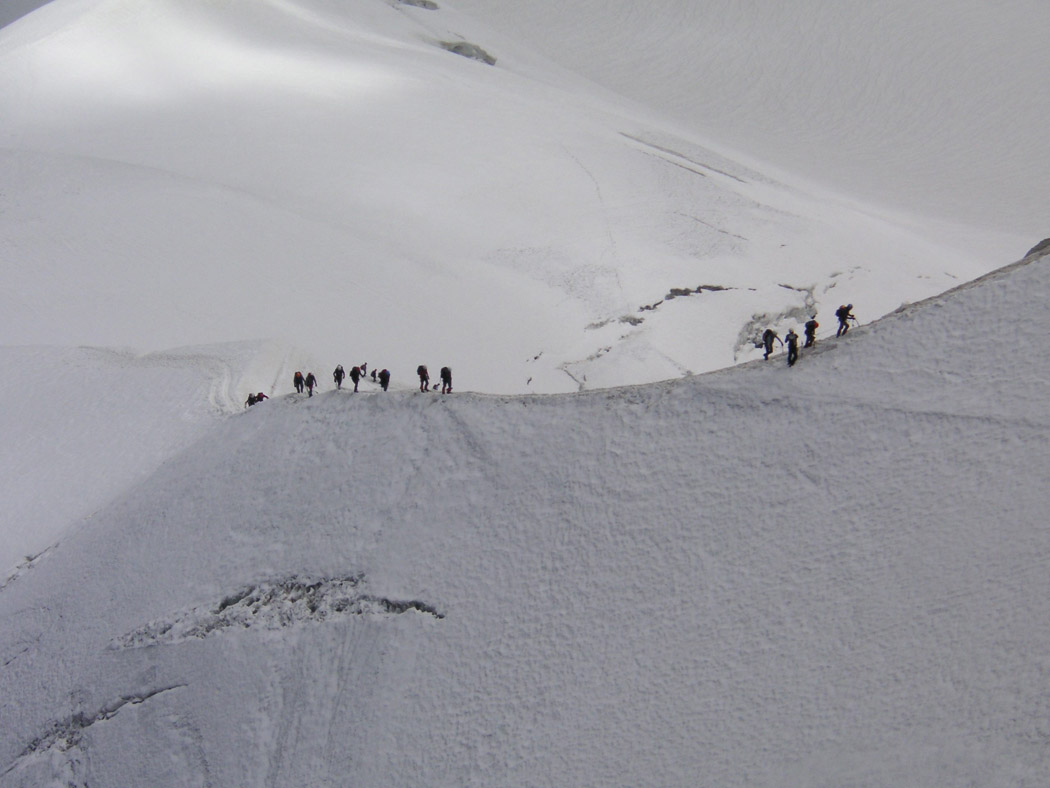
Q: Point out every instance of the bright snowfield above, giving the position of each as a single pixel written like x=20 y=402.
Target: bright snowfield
x=827 y=575
x=931 y=107
x=739 y=578
x=185 y=172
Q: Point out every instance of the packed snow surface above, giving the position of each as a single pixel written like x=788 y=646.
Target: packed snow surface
x=831 y=574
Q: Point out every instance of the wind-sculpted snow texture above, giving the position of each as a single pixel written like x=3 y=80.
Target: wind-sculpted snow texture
x=834 y=574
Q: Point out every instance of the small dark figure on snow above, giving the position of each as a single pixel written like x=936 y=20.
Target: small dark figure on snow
x=424 y=377
x=338 y=376
x=355 y=375
x=792 y=345
x=373 y=376
x=446 y=380
x=311 y=381
x=767 y=341
x=844 y=314
x=298 y=382
x=811 y=331
x=384 y=378
x=260 y=397
x=364 y=369
x=251 y=401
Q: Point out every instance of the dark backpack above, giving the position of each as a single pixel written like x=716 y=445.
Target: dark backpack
x=421 y=370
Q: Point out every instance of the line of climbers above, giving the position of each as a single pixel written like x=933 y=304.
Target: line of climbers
x=309 y=382
x=844 y=314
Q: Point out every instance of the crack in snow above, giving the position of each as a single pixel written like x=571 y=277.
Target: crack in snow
x=66 y=733
x=272 y=606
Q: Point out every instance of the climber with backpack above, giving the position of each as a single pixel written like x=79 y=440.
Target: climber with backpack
x=767 y=341
x=792 y=346
x=338 y=376
x=355 y=375
x=446 y=380
x=424 y=377
x=811 y=331
x=298 y=382
x=844 y=314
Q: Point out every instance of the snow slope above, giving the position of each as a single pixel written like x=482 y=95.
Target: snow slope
x=330 y=175
x=82 y=425
x=834 y=574
x=824 y=576
x=934 y=108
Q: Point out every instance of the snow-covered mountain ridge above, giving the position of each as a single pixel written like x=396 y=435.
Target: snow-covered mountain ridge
x=833 y=573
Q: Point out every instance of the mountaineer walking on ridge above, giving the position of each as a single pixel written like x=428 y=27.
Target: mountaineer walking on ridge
x=792 y=345
x=844 y=314
x=310 y=381
x=811 y=331
x=338 y=376
x=767 y=342
x=446 y=380
x=355 y=375
x=297 y=381
x=424 y=377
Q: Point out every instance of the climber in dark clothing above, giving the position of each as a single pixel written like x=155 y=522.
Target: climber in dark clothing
x=767 y=341
x=792 y=346
x=446 y=380
x=424 y=377
x=311 y=381
x=355 y=375
x=384 y=378
x=338 y=376
x=844 y=314
x=811 y=331
x=297 y=381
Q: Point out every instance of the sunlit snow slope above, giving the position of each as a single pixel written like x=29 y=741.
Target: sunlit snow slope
x=814 y=576
x=185 y=172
